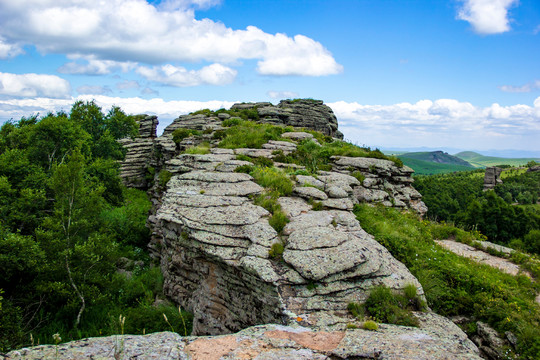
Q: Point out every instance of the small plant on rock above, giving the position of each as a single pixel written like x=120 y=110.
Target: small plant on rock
x=276 y=251
x=278 y=220
x=182 y=133
x=370 y=325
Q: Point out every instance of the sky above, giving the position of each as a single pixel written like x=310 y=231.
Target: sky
x=455 y=74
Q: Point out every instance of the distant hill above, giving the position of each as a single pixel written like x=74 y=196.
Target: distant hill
x=439 y=157
x=422 y=167
x=479 y=160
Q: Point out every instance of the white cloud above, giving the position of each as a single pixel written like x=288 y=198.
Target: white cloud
x=215 y=74
x=487 y=16
x=9 y=50
x=137 y=31
x=30 y=85
x=282 y=94
x=535 y=85
x=440 y=123
x=94 y=89
x=89 y=65
x=127 y=85
x=299 y=56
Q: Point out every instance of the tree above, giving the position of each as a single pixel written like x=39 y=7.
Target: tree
x=77 y=205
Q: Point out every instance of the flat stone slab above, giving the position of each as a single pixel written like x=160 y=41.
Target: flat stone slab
x=317 y=264
x=213 y=176
x=221 y=215
x=309 y=180
x=310 y=192
x=315 y=238
x=297 y=135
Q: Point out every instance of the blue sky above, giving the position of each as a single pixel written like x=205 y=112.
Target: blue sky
x=460 y=74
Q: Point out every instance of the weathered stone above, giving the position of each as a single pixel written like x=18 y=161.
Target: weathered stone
x=309 y=180
x=492 y=177
x=298 y=136
x=285 y=146
x=336 y=192
x=315 y=238
x=310 y=192
x=292 y=206
x=370 y=195
x=342 y=204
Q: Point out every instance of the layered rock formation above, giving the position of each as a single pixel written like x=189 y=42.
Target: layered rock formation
x=214 y=245
x=140 y=154
x=307 y=113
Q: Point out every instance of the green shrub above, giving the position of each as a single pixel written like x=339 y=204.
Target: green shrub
x=243 y=157
x=263 y=161
x=248 y=134
x=273 y=179
x=278 y=220
x=358 y=175
x=246 y=169
x=388 y=307
x=276 y=251
x=454 y=285
x=315 y=205
x=164 y=176
x=268 y=200
x=232 y=122
x=357 y=310
x=182 y=133
x=370 y=325
x=206 y=112
x=201 y=149
x=219 y=135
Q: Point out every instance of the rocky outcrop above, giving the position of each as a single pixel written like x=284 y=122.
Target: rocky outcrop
x=140 y=154
x=307 y=113
x=492 y=177
x=214 y=246
x=384 y=182
x=438 y=340
x=534 y=168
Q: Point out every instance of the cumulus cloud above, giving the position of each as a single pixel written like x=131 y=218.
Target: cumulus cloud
x=487 y=16
x=137 y=31
x=89 y=65
x=94 y=89
x=443 y=122
x=215 y=74
x=535 y=85
x=26 y=85
x=282 y=94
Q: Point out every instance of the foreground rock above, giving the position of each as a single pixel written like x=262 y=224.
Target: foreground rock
x=440 y=340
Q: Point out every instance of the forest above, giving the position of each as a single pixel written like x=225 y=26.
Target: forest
x=507 y=215
x=72 y=237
